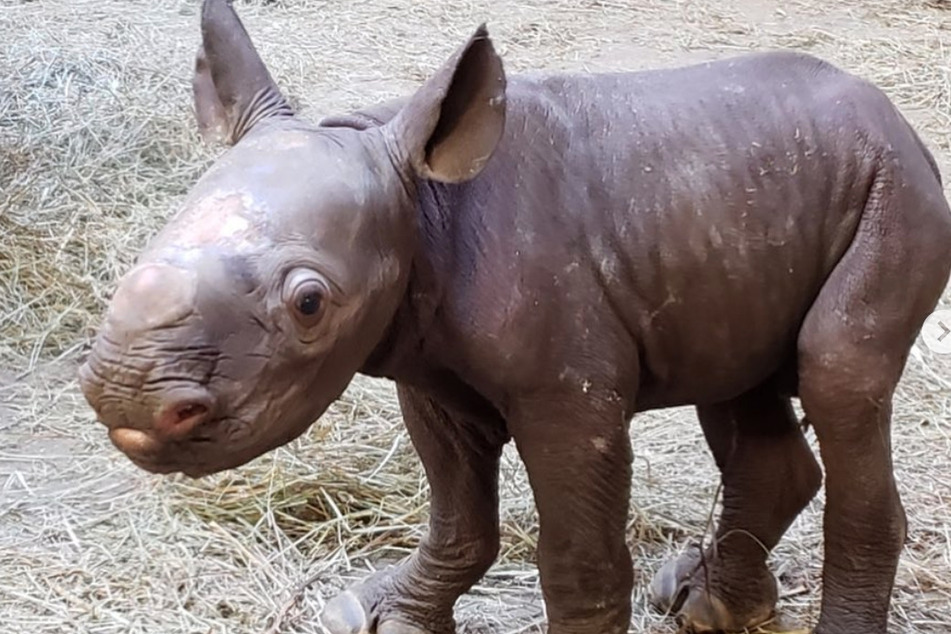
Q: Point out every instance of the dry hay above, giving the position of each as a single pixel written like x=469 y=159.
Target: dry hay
x=96 y=144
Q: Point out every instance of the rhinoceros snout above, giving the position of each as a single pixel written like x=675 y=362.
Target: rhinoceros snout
x=168 y=415
x=149 y=297
x=167 y=412
x=177 y=419
x=134 y=378
x=88 y=384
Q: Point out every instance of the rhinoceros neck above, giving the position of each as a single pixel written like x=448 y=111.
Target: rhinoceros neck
x=401 y=353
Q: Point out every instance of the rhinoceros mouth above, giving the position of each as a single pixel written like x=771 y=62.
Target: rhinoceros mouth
x=161 y=467
x=209 y=451
x=156 y=456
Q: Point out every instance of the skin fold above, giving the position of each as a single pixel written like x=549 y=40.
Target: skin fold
x=536 y=259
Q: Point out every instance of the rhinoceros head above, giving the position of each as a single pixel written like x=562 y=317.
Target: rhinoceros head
x=250 y=312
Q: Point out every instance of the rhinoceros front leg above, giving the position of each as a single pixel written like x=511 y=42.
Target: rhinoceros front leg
x=769 y=474
x=577 y=453
x=461 y=459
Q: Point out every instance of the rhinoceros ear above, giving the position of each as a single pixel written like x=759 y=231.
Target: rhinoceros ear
x=451 y=126
x=232 y=87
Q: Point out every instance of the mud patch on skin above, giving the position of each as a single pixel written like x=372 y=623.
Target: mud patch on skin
x=230 y=219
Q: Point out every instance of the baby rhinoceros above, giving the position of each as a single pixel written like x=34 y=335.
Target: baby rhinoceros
x=538 y=259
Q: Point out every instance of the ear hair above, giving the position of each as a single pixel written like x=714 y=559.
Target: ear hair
x=232 y=87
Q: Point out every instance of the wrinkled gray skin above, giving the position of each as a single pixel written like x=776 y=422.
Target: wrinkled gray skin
x=539 y=261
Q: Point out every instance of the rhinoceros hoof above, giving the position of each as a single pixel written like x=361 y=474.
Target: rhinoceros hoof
x=679 y=589
x=703 y=611
x=346 y=614
x=669 y=587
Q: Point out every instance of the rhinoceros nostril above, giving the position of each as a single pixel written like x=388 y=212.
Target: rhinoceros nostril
x=180 y=418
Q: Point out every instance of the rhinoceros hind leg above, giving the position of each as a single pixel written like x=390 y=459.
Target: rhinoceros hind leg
x=853 y=346
x=769 y=475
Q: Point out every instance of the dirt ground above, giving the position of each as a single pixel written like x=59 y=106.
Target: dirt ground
x=97 y=143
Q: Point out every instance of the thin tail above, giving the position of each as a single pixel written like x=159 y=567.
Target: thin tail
x=924 y=148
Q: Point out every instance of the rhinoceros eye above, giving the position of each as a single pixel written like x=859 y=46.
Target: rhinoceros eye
x=308 y=302
x=304 y=292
